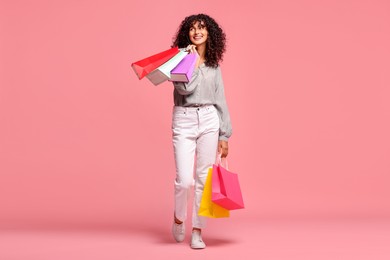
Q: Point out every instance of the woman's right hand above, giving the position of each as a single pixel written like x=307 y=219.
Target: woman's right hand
x=192 y=49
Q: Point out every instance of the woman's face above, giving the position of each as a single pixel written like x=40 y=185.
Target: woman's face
x=198 y=33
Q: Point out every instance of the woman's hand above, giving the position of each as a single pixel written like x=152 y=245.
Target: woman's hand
x=192 y=49
x=223 y=148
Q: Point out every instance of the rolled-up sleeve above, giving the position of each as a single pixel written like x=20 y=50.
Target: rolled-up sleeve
x=188 y=88
x=225 y=126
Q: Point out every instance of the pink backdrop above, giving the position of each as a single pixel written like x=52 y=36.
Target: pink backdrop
x=82 y=140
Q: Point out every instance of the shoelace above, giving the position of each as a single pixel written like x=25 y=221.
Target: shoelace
x=198 y=237
x=179 y=228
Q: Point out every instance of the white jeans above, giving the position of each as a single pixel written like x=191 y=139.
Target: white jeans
x=195 y=134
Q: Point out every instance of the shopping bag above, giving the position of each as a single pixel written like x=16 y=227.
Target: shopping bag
x=147 y=65
x=226 y=190
x=207 y=207
x=163 y=72
x=183 y=71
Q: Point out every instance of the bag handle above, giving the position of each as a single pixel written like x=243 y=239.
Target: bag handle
x=222 y=161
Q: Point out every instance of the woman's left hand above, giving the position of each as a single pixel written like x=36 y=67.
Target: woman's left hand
x=223 y=148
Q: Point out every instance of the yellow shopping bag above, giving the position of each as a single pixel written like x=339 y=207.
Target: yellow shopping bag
x=207 y=207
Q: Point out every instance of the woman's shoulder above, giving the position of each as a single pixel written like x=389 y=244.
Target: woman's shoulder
x=216 y=68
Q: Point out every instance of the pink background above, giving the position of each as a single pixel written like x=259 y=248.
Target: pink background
x=84 y=142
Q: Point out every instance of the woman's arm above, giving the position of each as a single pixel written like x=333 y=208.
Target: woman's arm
x=189 y=88
x=225 y=127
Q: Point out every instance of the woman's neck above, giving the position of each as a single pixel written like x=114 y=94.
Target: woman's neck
x=201 y=50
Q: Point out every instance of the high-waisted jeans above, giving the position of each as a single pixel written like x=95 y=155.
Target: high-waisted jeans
x=195 y=132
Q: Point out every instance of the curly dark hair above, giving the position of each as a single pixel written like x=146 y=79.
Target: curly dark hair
x=216 y=40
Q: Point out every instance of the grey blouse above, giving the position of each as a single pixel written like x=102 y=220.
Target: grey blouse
x=205 y=88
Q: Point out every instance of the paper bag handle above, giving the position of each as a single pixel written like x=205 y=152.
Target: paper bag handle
x=223 y=162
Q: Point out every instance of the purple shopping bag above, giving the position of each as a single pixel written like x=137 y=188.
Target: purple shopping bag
x=183 y=71
x=226 y=190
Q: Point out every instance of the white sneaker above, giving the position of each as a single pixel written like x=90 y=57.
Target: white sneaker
x=196 y=240
x=178 y=231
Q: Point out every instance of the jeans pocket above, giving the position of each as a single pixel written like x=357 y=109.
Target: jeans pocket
x=180 y=119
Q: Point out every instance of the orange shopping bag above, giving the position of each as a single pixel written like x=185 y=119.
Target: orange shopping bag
x=207 y=207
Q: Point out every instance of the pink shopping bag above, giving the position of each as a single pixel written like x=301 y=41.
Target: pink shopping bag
x=226 y=190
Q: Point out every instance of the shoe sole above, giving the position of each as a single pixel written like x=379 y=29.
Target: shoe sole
x=198 y=247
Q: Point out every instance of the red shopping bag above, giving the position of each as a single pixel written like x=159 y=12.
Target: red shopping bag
x=226 y=190
x=163 y=72
x=147 y=65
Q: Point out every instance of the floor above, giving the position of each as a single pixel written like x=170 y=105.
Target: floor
x=269 y=239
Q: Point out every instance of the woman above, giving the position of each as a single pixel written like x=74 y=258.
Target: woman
x=201 y=121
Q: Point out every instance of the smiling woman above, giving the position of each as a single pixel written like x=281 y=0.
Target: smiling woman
x=205 y=26
x=201 y=121
x=198 y=33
